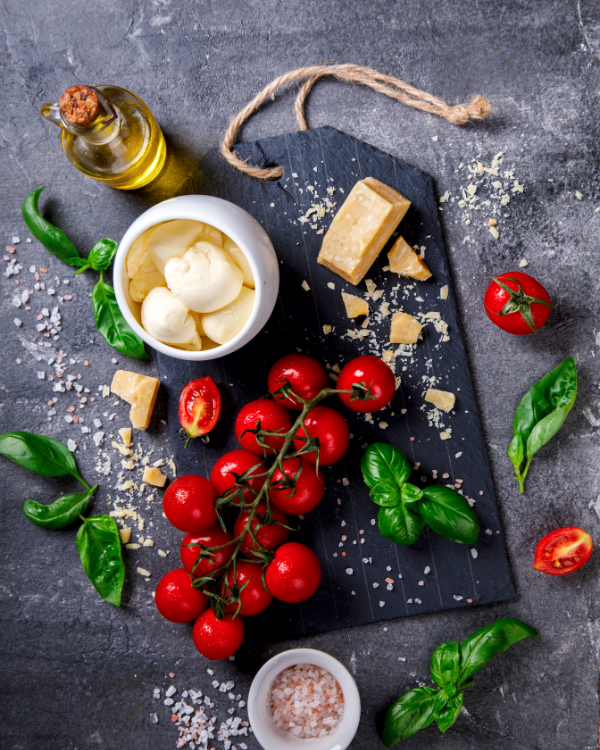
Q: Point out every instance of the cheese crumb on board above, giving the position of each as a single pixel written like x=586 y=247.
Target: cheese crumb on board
x=305 y=286
x=446 y=434
x=125 y=433
x=361 y=228
x=138 y=390
x=405 y=262
x=405 y=329
x=444 y=292
x=154 y=476
x=125 y=534
x=443 y=400
x=354 y=305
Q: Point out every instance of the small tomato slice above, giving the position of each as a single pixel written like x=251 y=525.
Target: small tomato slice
x=563 y=550
x=199 y=407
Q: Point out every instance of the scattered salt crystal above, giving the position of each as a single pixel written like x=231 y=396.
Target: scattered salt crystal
x=474 y=553
x=349 y=571
x=71 y=445
x=458 y=598
x=17 y=322
x=170 y=691
x=154 y=718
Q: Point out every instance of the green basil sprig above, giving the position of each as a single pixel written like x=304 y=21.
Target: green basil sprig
x=98 y=539
x=109 y=320
x=453 y=664
x=540 y=415
x=405 y=509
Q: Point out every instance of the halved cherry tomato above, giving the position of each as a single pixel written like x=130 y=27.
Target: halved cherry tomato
x=332 y=431
x=238 y=462
x=306 y=375
x=307 y=491
x=563 y=550
x=375 y=376
x=271 y=416
x=517 y=303
x=268 y=535
x=199 y=407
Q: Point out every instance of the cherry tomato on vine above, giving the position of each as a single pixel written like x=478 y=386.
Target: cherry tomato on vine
x=269 y=535
x=238 y=462
x=332 y=431
x=306 y=375
x=254 y=597
x=375 y=376
x=199 y=407
x=218 y=639
x=189 y=503
x=563 y=550
x=307 y=491
x=295 y=573
x=271 y=416
x=176 y=599
x=213 y=537
x=517 y=303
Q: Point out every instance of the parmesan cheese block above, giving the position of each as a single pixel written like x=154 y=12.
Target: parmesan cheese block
x=443 y=400
x=355 y=306
x=361 y=228
x=154 y=476
x=404 y=261
x=138 y=390
x=405 y=329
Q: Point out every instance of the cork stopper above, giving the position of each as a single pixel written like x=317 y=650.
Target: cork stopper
x=79 y=105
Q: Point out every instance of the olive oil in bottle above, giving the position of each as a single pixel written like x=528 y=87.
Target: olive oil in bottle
x=109 y=134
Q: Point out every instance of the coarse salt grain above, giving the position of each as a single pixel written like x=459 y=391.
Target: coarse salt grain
x=307 y=701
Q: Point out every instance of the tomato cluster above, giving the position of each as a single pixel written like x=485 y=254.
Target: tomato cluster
x=240 y=574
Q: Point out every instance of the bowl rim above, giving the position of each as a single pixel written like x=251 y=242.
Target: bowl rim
x=187 y=207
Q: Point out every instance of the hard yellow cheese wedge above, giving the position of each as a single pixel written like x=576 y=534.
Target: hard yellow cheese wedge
x=354 y=305
x=404 y=261
x=361 y=228
x=138 y=390
x=154 y=476
x=405 y=329
x=443 y=400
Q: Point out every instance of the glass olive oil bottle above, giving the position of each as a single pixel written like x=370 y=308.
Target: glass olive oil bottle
x=109 y=134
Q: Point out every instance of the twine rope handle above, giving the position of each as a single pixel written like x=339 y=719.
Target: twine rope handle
x=459 y=114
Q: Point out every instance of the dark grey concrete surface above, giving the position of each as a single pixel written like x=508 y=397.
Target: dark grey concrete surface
x=77 y=673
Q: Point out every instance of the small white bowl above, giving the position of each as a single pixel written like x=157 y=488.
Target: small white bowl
x=259 y=713
x=239 y=226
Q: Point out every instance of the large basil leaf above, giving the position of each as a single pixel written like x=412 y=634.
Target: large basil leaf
x=445 y=664
x=112 y=325
x=484 y=644
x=39 y=454
x=99 y=547
x=50 y=236
x=449 y=713
x=101 y=254
x=386 y=494
x=546 y=429
x=449 y=514
x=410 y=713
x=402 y=524
x=384 y=463
x=60 y=513
x=516 y=452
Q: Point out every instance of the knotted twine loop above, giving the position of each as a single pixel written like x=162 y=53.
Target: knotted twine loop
x=458 y=114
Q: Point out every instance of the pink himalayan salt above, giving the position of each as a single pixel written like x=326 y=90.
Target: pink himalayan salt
x=307 y=701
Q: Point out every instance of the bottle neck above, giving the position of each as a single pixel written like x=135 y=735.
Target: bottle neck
x=103 y=128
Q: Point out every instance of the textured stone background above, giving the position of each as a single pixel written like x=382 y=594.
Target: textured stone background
x=77 y=673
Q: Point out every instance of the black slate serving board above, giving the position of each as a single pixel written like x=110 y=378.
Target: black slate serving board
x=457 y=576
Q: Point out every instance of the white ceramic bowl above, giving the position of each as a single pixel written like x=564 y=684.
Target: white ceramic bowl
x=259 y=713
x=239 y=226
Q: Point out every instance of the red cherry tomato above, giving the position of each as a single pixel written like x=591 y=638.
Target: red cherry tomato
x=306 y=376
x=332 y=431
x=189 y=503
x=269 y=535
x=562 y=551
x=272 y=417
x=213 y=537
x=295 y=573
x=238 y=462
x=254 y=598
x=199 y=407
x=373 y=374
x=521 y=310
x=176 y=599
x=218 y=639
x=307 y=492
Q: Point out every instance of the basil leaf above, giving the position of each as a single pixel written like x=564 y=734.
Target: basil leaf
x=410 y=713
x=410 y=493
x=449 y=713
x=101 y=254
x=545 y=429
x=449 y=514
x=485 y=643
x=99 y=547
x=384 y=463
x=41 y=455
x=60 y=513
x=50 y=236
x=386 y=494
x=112 y=325
x=516 y=451
x=445 y=664
x=401 y=524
